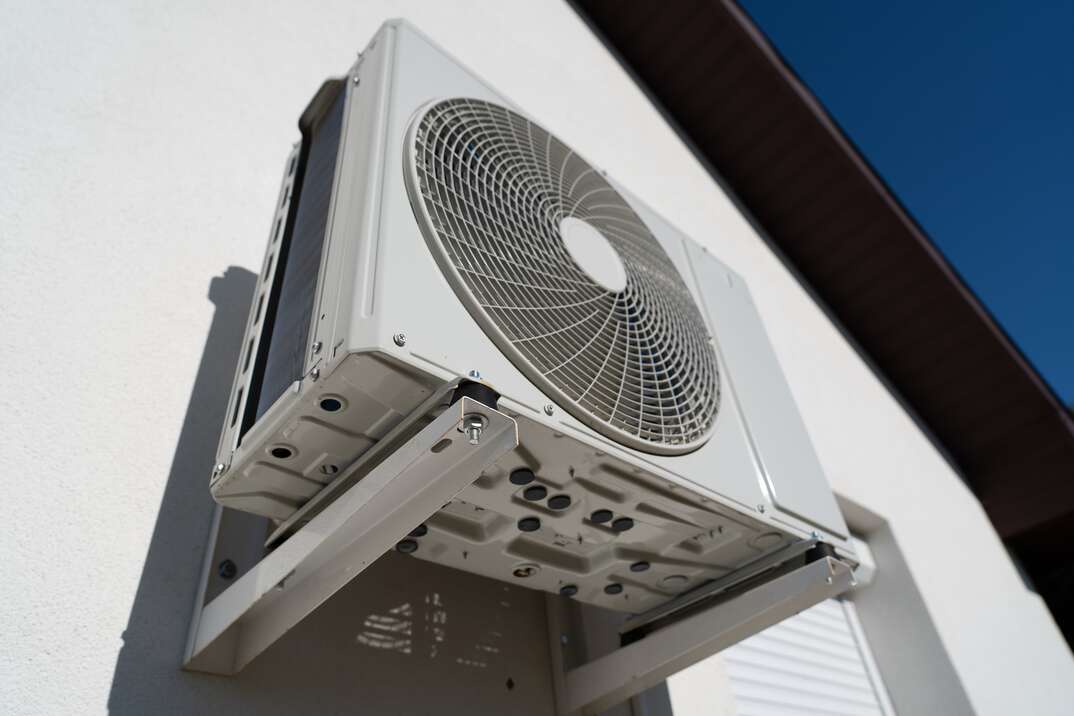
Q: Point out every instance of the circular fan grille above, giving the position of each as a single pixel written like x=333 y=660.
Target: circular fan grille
x=492 y=190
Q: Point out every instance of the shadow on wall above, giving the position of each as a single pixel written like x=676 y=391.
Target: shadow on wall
x=155 y=636
x=407 y=636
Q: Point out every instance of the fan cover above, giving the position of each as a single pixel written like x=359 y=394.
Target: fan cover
x=494 y=194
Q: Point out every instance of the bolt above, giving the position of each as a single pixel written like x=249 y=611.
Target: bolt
x=317 y=347
x=760 y=508
x=227 y=569
x=218 y=469
x=814 y=534
x=473 y=424
x=357 y=79
x=399 y=339
x=828 y=580
x=549 y=409
x=315 y=373
x=475 y=374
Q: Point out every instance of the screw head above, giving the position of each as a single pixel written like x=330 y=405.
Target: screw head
x=218 y=469
x=227 y=569
x=549 y=409
x=399 y=339
x=475 y=374
x=317 y=347
x=760 y=508
x=315 y=373
x=356 y=79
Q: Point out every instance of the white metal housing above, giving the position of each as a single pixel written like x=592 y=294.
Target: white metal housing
x=389 y=332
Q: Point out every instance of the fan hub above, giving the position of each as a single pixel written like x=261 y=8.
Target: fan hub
x=593 y=253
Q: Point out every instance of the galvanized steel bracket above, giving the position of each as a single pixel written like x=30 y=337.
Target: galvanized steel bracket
x=231 y=628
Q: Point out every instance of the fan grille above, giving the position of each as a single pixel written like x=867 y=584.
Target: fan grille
x=492 y=190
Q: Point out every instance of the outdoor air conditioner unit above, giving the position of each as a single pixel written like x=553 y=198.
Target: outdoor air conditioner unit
x=432 y=242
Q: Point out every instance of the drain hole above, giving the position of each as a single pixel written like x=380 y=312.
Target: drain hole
x=331 y=405
x=282 y=452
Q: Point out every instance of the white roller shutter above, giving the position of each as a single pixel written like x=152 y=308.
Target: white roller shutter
x=816 y=662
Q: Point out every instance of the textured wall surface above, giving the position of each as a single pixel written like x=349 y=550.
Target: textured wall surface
x=142 y=146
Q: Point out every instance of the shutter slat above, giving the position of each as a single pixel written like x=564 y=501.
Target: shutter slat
x=811 y=663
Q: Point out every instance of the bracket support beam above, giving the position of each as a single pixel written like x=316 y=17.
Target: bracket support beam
x=608 y=680
x=367 y=520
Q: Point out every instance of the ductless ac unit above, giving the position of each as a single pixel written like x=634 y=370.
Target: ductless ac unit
x=433 y=243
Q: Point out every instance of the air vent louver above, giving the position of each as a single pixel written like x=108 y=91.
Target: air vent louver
x=495 y=193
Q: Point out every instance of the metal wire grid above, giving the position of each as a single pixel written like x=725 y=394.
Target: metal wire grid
x=637 y=364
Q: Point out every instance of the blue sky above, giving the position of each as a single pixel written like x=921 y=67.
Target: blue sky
x=967 y=111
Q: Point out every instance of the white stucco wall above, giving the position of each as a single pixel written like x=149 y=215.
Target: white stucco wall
x=141 y=149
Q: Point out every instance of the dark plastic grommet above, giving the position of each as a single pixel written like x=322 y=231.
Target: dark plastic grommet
x=407 y=546
x=522 y=476
x=568 y=590
x=613 y=588
x=534 y=493
x=600 y=516
x=639 y=566
x=529 y=524
x=622 y=524
x=419 y=531
x=559 y=502
x=475 y=391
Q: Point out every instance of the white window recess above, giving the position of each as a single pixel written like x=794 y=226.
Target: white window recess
x=816 y=662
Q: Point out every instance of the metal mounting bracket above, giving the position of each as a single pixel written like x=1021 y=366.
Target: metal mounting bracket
x=288 y=583
x=698 y=632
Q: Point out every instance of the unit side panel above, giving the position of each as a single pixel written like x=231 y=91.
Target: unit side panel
x=345 y=319
x=791 y=469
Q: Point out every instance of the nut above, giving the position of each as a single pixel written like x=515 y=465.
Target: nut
x=473 y=424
